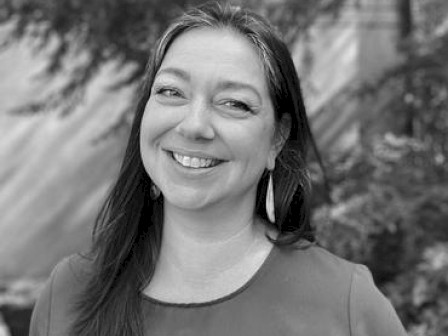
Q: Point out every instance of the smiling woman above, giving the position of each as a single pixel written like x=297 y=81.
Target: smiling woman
x=209 y=104
x=207 y=231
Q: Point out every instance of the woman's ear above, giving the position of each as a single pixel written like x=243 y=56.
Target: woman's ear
x=282 y=130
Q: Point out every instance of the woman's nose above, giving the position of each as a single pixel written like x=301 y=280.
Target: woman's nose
x=196 y=123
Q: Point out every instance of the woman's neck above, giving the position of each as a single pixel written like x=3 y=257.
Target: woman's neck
x=206 y=257
x=201 y=243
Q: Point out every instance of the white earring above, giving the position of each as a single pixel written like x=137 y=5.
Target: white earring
x=270 y=208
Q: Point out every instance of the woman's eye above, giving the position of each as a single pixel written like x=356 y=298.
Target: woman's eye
x=239 y=105
x=168 y=92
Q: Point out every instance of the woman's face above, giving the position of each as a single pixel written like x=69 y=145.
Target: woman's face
x=207 y=132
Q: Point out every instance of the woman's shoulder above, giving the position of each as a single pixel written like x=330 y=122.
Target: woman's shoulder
x=72 y=271
x=310 y=273
x=320 y=271
x=312 y=266
x=53 y=311
x=341 y=288
x=310 y=258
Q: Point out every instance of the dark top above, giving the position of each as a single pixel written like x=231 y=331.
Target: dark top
x=301 y=292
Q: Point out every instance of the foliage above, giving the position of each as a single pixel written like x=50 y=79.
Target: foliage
x=390 y=193
x=390 y=212
x=83 y=36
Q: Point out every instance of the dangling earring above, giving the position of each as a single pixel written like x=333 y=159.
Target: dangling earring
x=154 y=191
x=270 y=210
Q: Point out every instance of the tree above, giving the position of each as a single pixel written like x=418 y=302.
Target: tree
x=390 y=193
x=97 y=32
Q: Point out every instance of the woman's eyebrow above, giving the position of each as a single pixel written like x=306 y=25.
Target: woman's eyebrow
x=222 y=85
x=235 y=85
x=174 y=71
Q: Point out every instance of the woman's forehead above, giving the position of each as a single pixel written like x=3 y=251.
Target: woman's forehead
x=212 y=51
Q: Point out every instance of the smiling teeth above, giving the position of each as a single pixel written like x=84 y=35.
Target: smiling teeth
x=194 y=162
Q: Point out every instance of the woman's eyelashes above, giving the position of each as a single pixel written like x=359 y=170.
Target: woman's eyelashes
x=237 y=105
x=232 y=106
x=168 y=92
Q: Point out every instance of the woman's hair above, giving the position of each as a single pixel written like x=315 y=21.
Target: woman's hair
x=127 y=233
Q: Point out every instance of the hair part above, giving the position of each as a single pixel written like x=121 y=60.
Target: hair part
x=128 y=230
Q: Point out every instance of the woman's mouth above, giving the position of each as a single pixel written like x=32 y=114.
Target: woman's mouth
x=195 y=162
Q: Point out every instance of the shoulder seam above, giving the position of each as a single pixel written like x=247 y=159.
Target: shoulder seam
x=53 y=276
x=349 y=306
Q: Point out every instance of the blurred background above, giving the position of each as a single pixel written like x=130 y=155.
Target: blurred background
x=374 y=75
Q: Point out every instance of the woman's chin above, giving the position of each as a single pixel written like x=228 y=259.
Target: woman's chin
x=187 y=200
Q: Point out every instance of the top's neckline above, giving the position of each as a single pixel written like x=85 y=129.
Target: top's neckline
x=261 y=270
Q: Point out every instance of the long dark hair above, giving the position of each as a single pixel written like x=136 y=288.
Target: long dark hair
x=127 y=233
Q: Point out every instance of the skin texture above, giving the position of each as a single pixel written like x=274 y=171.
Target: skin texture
x=209 y=100
x=196 y=108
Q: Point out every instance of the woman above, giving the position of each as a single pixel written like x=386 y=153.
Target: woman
x=193 y=240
